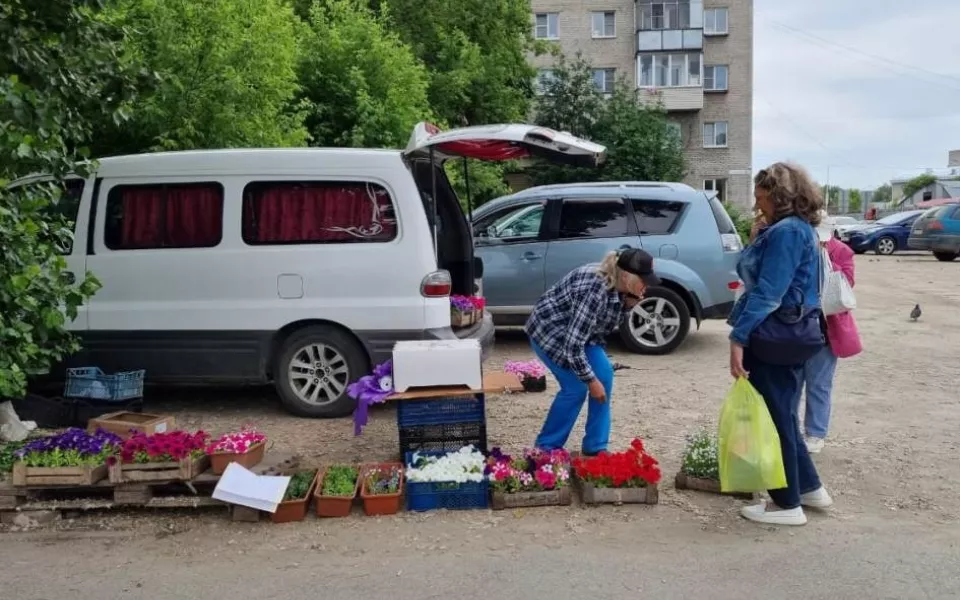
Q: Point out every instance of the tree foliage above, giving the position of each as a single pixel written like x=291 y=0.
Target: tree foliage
x=918 y=183
x=362 y=85
x=882 y=194
x=60 y=66
x=855 y=204
x=641 y=146
x=228 y=75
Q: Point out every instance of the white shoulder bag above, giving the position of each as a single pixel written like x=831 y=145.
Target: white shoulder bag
x=837 y=295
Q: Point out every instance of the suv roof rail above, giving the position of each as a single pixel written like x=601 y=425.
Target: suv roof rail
x=616 y=184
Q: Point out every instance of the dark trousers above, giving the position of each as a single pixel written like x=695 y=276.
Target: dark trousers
x=780 y=387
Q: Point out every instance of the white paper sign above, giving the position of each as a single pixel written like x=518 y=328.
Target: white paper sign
x=240 y=486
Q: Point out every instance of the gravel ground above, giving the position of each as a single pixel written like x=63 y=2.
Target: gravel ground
x=890 y=463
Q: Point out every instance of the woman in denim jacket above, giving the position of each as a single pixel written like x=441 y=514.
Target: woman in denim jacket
x=780 y=270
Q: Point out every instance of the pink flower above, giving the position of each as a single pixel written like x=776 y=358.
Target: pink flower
x=546 y=478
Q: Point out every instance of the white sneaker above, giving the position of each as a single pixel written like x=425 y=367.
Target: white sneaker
x=818 y=498
x=814 y=444
x=760 y=514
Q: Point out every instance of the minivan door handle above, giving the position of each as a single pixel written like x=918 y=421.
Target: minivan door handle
x=530 y=256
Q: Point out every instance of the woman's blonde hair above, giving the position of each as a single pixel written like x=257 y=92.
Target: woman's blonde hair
x=609 y=270
x=792 y=192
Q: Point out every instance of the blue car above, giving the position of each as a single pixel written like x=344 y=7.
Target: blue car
x=885 y=236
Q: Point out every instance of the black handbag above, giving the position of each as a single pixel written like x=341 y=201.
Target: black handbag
x=789 y=337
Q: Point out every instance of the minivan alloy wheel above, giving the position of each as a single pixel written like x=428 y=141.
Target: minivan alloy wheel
x=654 y=322
x=318 y=374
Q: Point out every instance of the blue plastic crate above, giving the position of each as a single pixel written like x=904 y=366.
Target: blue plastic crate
x=91 y=382
x=449 y=495
x=441 y=411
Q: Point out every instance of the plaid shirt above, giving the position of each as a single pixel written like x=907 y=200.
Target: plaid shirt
x=578 y=310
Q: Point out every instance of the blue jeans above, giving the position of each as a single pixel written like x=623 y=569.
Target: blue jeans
x=818 y=375
x=780 y=387
x=569 y=401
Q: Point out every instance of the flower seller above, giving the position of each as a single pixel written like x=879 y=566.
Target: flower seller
x=568 y=329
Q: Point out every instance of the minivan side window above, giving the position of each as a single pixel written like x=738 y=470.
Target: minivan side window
x=152 y=216
x=657 y=217
x=317 y=212
x=589 y=218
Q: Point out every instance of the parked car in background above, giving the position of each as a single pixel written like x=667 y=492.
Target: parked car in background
x=531 y=239
x=300 y=266
x=938 y=231
x=842 y=224
x=885 y=236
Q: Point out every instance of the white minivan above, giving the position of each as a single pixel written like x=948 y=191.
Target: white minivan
x=298 y=266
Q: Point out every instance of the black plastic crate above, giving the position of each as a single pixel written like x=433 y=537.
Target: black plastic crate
x=47 y=413
x=446 y=437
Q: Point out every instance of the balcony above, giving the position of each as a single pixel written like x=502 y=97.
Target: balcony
x=669 y=39
x=674 y=99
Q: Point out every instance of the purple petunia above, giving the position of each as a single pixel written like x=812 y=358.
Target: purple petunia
x=73 y=439
x=462 y=304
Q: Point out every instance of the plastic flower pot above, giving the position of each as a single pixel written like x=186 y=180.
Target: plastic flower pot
x=251 y=458
x=534 y=384
x=334 y=506
x=295 y=510
x=381 y=504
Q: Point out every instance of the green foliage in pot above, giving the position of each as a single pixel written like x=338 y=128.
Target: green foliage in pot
x=299 y=485
x=339 y=481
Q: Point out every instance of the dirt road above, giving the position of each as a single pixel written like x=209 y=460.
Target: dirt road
x=891 y=463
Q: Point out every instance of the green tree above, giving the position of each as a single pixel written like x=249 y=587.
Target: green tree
x=917 y=183
x=60 y=66
x=856 y=201
x=882 y=194
x=362 y=85
x=228 y=75
x=641 y=146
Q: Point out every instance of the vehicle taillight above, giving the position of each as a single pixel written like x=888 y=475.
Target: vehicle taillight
x=436 y=284
x=733 y=285
x=935 y=226
x=731 y=242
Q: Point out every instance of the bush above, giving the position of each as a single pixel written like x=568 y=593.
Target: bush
x=743 y=222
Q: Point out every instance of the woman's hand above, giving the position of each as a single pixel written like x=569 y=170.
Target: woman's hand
x=759 y=222
x=596 y=390
x=736 y=361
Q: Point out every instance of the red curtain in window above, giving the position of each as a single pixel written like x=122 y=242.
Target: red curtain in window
x=320 y=213
x=189 y=216
x=142 y=217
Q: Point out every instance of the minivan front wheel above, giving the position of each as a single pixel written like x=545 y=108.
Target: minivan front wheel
x=314 y=367
x=658 y=324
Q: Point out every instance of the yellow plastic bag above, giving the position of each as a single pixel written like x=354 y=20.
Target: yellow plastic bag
x=749 y=446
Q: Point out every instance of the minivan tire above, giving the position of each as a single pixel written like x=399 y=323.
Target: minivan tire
x=330 y=349
x=946 y=256
x=676 y=308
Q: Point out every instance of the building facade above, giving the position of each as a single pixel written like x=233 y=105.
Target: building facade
x=693 y=56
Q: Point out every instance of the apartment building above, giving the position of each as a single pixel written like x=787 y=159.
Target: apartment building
x=693 y=56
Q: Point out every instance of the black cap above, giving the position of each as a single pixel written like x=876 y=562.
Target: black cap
x=638 y=262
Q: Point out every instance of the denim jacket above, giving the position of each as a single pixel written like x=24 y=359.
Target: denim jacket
x=781 y=268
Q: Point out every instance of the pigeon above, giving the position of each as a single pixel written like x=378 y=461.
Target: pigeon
x=915 y=313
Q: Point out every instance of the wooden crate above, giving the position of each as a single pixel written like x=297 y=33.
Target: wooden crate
x=685 y=482
x=122 y=423
x=595 y=495
x=184 y=470
x=560 y=497
x=24 y=476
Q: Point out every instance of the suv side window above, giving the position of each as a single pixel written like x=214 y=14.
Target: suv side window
x=518 y=223
x=657 y=217
x=593 y=218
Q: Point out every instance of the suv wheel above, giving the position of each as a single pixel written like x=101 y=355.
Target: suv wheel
x=312 y=370
x=658 y=324
x=886 y=246
x=946 y=256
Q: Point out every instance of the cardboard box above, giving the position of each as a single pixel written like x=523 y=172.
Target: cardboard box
x=124 y=422
x=432 y=363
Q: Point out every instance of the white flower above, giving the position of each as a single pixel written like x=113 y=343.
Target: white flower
x=462 y=466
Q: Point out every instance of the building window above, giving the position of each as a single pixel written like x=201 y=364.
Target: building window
x=675 y=14
x=143 y=217
x=604 y=24
x=669 y=70
x=715 y=78
x=547 y=26
x=716 y=185
x=544 y=80
x=317 y=212
x=605 y=79
x=715 y=21
x=715 y=134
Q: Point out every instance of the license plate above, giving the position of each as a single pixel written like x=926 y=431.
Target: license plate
x=918 y=230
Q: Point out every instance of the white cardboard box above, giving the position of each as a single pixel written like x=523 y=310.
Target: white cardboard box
x=436 y=363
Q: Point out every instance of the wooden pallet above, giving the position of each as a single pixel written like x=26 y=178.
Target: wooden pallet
x=105 y=495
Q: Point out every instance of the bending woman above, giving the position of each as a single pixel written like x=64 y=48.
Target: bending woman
x=568 y=330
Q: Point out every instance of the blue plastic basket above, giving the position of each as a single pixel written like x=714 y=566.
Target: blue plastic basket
x=442 y=411
x=449 y=495
x=91 y=382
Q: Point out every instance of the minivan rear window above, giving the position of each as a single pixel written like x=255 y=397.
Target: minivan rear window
x=657 y=217
x=724 y=222
x=317 y=212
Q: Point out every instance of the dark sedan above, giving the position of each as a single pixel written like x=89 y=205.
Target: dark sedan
x=886 y=236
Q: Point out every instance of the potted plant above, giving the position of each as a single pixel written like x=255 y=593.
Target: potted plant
x=245 y=447
x=532 y=374
x=478 y=303
x=700 y=469
x=8 y=457
x=74 y=457
x=336 y=491
x=382 y=488
x=538 y=478
x=630 y=476
x=293 y=507
x=173 y=456
x=452 y=480
x=461 y=311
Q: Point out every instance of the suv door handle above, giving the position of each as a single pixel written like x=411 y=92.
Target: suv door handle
x=625 y=247
x=531 y=256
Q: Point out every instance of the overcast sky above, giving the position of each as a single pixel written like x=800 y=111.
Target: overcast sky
x=868 y=88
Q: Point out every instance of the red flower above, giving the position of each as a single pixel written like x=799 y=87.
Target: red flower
x=631 y=468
